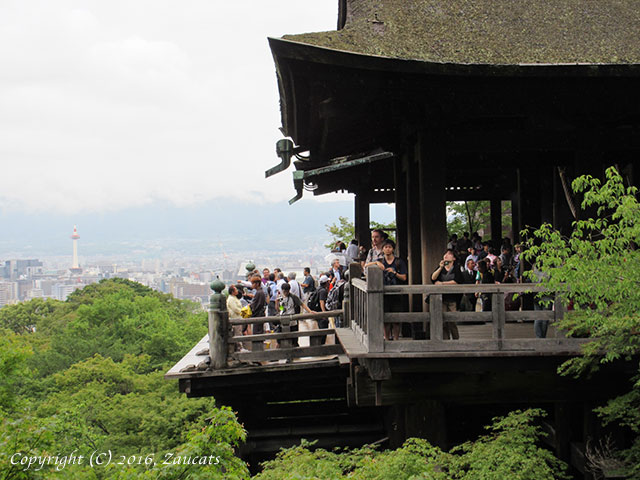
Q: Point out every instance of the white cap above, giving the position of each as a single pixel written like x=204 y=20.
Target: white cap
x=323 y=279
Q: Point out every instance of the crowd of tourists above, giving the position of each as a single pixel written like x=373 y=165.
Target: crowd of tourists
x=275 y=294
x=467 y=260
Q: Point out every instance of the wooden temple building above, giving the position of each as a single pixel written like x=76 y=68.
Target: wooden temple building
x=419 y=102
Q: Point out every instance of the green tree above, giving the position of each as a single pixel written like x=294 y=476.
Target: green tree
x=123 y=406
x=475 y=215
x=344 y=230
x=510 y=450
x=114 y=318
x=87 y=374
x=468 y=216
x=14 y=353
x=23 y=317
x=600 y=263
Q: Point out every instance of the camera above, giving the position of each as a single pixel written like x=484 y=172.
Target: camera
x=446 y=262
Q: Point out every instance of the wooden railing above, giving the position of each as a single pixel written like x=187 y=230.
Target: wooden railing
x=222 y=343
x=368 y=317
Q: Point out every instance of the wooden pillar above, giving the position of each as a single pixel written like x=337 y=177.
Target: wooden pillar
x=395 y=425
x=529 y=196
x=401 y=207
x=414 y=249
x=515 y=216
x=428 y=420
x=375 y=310
x=362 y=219
x=546 y=194
x=433 y=217
x=218 y=327
x=562 y=214
x=496 y=221
x=562 y=423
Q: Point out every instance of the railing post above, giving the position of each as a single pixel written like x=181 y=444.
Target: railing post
x=559 y=310
x=375 y=309
x=436 y=320
x=498 y=315
x=218 y=326
x=355 y=271
x=285 y=326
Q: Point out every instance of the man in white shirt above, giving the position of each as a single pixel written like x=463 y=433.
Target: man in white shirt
x=352 y=252
x=280 y=281
x=296 y=289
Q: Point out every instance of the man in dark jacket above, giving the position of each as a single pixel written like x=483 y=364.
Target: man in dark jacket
x=449 y=273
x=258 y=303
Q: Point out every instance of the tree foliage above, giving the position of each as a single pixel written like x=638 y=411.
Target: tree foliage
x=475 y=216
x=344 y=230
x=510 y=450
x=600 y=264
x=86 y=375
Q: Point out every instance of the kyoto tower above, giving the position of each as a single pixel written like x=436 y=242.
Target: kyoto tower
x=75 y=268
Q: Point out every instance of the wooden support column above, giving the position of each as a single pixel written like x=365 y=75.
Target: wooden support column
x=427 y=419
x=496 y=221
x=433 y=217
x=400 y=206
x=219 y=347
x=562 y=417
x=375 y=310
x=414 y=249
x=362 y=219
x=515 y=216
x=562 y=214
x=546 y=194
x=529 y=196
x=395 y=425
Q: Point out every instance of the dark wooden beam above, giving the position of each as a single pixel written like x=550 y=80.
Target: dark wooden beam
x=433 y=219
x=496 y=221
x=412 y=205
x=362 y=219
x=400 y=180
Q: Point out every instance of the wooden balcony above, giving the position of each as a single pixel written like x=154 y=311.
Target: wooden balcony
x=495 y=333
x=364 y=389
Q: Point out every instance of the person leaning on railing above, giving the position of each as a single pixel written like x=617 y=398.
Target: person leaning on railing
x=289 y=303
x=448 y=273
x=234 y=307
x=258 y=303
x=394 y=273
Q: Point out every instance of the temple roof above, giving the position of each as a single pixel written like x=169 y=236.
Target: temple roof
x=489 y=31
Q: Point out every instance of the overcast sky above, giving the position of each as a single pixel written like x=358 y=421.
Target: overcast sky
x=106 y=105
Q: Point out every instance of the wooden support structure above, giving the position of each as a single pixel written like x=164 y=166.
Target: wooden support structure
x=414 y=247
x=362 y=219
x=495 y=209
x=433 y=221
x=219 y=328
x=435 y=317
x=402 y=238
x=529 y=195
x=375 y=309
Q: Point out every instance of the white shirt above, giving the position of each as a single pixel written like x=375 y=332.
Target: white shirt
x=352 y=253
x=296 y=289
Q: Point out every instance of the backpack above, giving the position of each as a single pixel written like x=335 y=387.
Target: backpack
x=314 y=301
x=334 y=299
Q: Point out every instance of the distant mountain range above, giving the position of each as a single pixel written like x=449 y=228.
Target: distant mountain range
x=232 y=225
